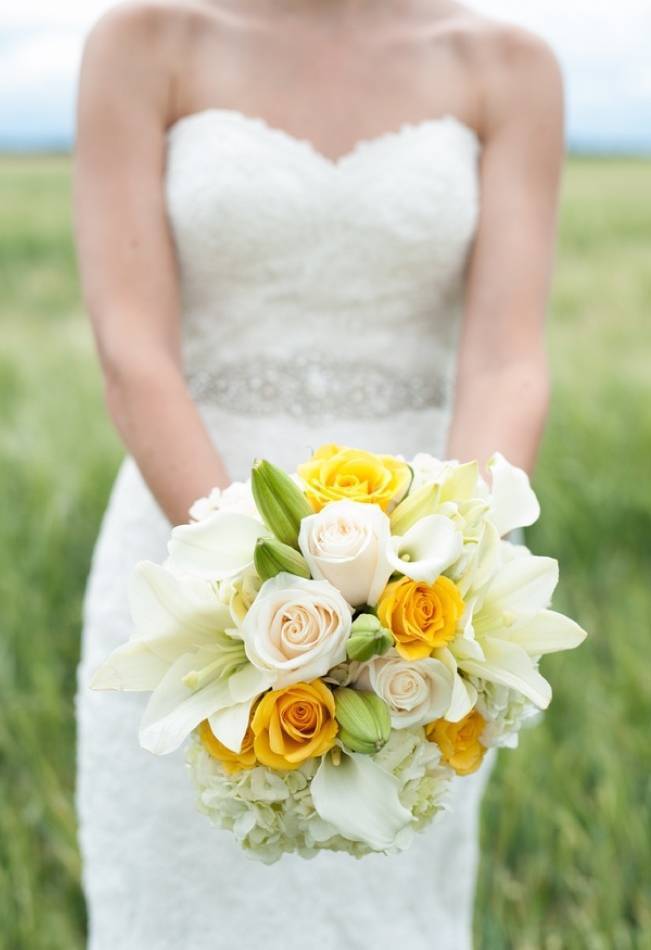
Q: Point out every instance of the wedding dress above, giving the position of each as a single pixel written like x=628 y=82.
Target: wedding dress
x=321 y=303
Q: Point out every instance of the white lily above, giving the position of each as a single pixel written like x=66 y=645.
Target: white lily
x=360 y=800
x=181 y=651
x=480 y=555
x=239 y=593
x=509 y=627
x=464 y=694
x=440 y=495
x=427 y=549
x=453 y=478
x=218 y=547
x=514 y=503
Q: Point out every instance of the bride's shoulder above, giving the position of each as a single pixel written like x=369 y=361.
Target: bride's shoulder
x=148 y=28
x=500 y=50
x=492 y=44
x=507 y=48
x=511 y=68
x=132 y=53
x=522 y=82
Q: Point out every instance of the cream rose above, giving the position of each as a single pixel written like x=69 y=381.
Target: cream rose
x=296 y=629
x=346 y=543
x=416 y=693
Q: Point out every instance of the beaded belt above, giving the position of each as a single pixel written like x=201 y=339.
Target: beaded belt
x=315 y=386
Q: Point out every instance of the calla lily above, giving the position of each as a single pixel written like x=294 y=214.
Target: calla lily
x=510 y=627
x=514 y=502
x=181 y=650
x=428 y=548
x=218 y=547
x=360 y=800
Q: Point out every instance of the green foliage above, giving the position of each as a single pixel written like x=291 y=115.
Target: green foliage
x=566 y=862
x=57 y=459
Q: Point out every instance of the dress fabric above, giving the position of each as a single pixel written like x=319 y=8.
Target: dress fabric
x=321 y=303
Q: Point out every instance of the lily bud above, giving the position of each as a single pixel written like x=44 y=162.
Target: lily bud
x=271 y=557
x=368 y=638
x=279 y=500
x=364 y=720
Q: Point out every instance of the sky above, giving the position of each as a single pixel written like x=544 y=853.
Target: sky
x=604 y=47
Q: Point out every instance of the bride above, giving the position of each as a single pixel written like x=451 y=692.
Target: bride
x=298 y=222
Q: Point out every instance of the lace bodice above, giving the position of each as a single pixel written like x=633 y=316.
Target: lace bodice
x=314 y=287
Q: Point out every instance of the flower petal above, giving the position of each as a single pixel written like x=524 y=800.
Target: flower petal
x=173 y=710
x=510 y=665
x=165 y=605
x=523 y=583
x=220 y=546
x=466 y=648
x=479 y=562
x=229 y=725
x=460 y=482
x=135 y=665
x=464 y=694
x=361 y=801
x=248 y=682
x=427 y=549
x=514 y=502
x=544 y=632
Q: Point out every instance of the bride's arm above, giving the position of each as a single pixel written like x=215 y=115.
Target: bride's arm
x=502 y=381
x=127 y=261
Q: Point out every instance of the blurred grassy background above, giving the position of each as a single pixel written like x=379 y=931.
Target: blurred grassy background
x=566 y=861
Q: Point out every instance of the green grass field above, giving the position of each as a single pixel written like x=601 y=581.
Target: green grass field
x=566 y=843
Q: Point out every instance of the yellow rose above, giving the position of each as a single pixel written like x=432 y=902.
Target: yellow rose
x=335 y=473
x=421 y=616
x=459 y=742
x=232 y=762
x=293 y=724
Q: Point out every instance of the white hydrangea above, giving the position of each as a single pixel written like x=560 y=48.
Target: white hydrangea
x=272 y=813
x=417 y=763
x=506 y=712
x=426 y=469
x=235 y=497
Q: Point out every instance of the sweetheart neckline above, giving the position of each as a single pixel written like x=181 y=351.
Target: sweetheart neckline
x=357 y=148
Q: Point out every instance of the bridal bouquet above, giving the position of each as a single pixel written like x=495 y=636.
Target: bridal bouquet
x=341 y=643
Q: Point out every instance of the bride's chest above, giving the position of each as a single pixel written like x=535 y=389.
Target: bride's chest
x=245 y=198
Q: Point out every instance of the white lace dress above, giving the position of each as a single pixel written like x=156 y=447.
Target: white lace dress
x=321 y=303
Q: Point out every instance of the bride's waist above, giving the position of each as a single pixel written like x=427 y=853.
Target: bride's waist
x=274 y=322
x=309 y=383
